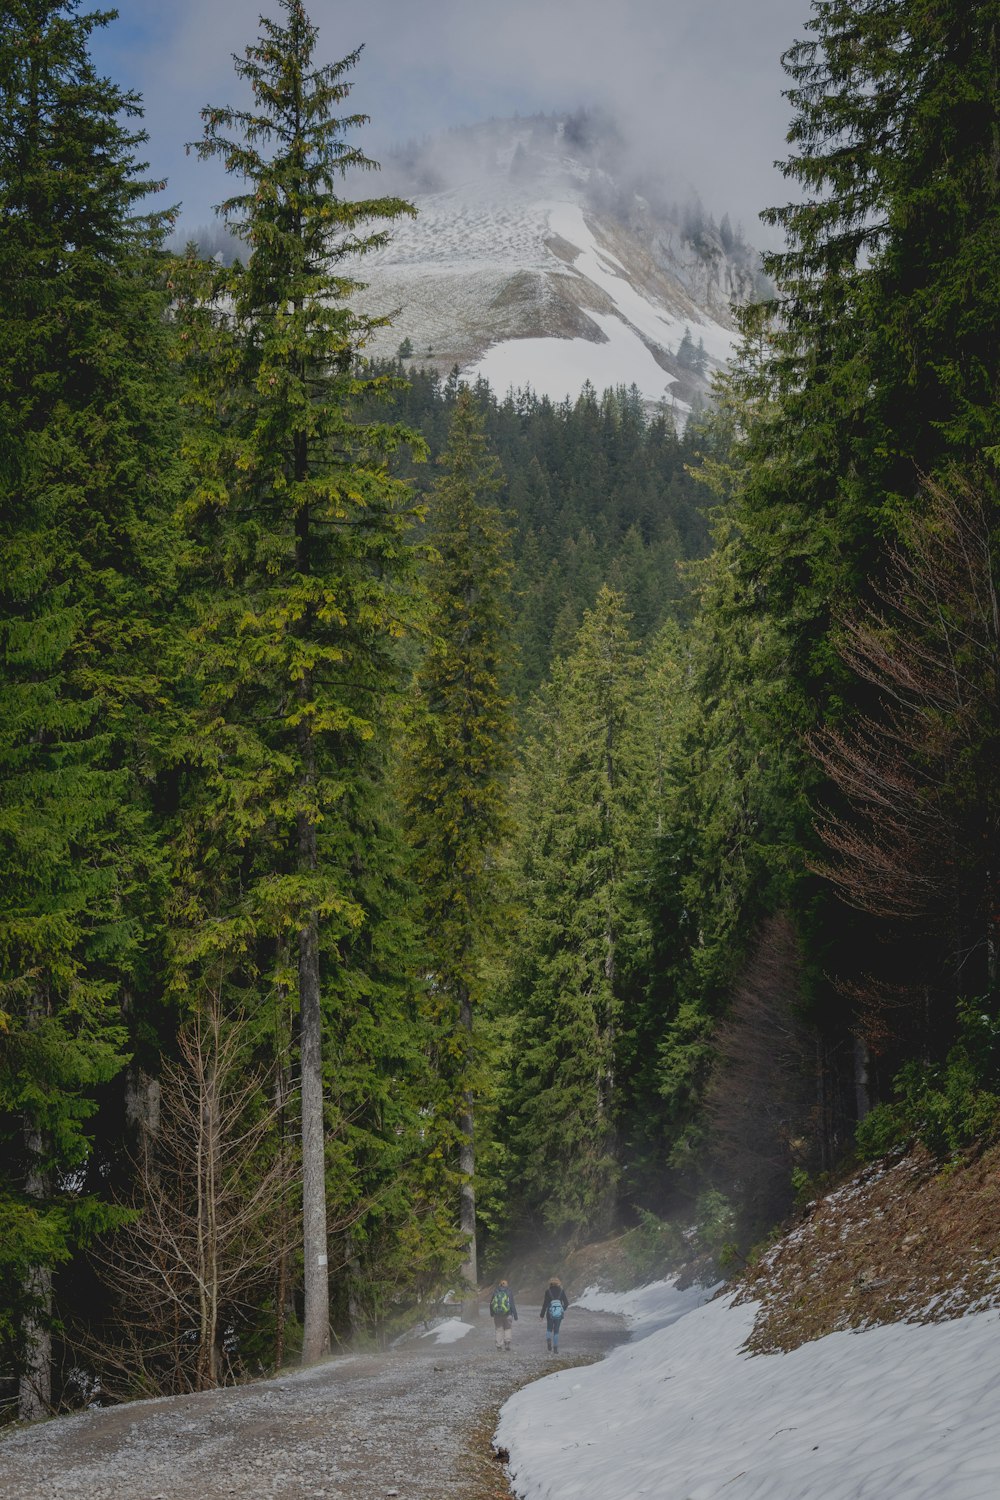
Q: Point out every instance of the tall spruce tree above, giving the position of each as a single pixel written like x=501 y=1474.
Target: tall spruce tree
x=459 y=763
x=302 y=558
x=883 y=351
x=582 y=796
x=86 y=434
x=722 y=855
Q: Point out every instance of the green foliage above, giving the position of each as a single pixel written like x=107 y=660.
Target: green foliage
x=653 y=1248
x=214 y=732
x=458 y=764
x=299 y=561
x=89 y=473
x=598 y=491
x=946 y=1106
x=721 y=855
x=302 y=583
x=716 y=1221
x=872 y=368
x=29 y=1237
x=383 y=1180
x=462 y=727
x=583 y=793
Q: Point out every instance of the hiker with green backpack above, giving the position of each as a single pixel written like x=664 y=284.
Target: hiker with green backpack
x=504 y=1315
x=554 y=1305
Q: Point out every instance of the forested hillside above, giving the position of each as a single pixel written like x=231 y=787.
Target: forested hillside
x=430 y=820
x=596 y=491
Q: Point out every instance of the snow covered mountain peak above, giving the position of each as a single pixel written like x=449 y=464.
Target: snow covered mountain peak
x=539 y=258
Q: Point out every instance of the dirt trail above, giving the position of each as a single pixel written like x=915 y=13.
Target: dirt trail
x=411 y=1423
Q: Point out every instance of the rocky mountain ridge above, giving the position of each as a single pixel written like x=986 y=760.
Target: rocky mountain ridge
x=539 y=256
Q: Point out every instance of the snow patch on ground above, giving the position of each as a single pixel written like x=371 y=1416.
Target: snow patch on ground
x=447 y=1332
x=902 y=1412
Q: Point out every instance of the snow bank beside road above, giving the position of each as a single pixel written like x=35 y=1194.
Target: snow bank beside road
x=903 y=1412
x=647 y=1308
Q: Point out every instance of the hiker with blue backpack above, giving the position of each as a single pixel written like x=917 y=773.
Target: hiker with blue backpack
x=554 y=1305
x=504 y=1315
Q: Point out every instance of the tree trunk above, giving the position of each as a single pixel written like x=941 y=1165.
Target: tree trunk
x=142 y=1107
x=280 y=1294
x=34 y=1398
x=467 y=1168
x=862 y=1094
x=316 y=1318
x=316 y=1314
x=822 y=1108
x=356 y=1319
x=35 y=1388
x=992 y=902
x=282 y=1089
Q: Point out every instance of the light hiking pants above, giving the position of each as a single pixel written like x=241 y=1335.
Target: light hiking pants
x=503 y=1328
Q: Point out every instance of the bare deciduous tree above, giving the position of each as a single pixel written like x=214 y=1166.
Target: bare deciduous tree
x=915 y=839
x=214 y=1215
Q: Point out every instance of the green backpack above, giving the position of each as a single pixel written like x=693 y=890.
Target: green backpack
x=500 y=1303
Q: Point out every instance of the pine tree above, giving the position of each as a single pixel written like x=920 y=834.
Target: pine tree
x=686 y=352
x=874 y=365
x=87 y=436
x=729 y=804
x=581 y=798
x=392 y=1214
x=460 y=761
x=302 y=557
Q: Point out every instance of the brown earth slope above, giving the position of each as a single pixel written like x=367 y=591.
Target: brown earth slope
x=905 y=1240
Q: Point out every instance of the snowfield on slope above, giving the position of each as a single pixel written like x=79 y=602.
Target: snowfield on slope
x=557 y=368
x=599 y=265
x=528 y=281
x=904 y=1412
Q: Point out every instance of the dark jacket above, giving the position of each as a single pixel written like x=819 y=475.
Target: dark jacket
x=513 y=1305
x=552 y=1291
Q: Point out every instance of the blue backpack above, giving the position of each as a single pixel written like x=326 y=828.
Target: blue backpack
x=555 y=1309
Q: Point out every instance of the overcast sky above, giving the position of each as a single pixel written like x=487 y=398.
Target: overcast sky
x=698 y=81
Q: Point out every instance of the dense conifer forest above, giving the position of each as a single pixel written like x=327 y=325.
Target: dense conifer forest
x=431 y=820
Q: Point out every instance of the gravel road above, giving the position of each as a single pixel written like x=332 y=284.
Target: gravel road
x=414 y=1423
